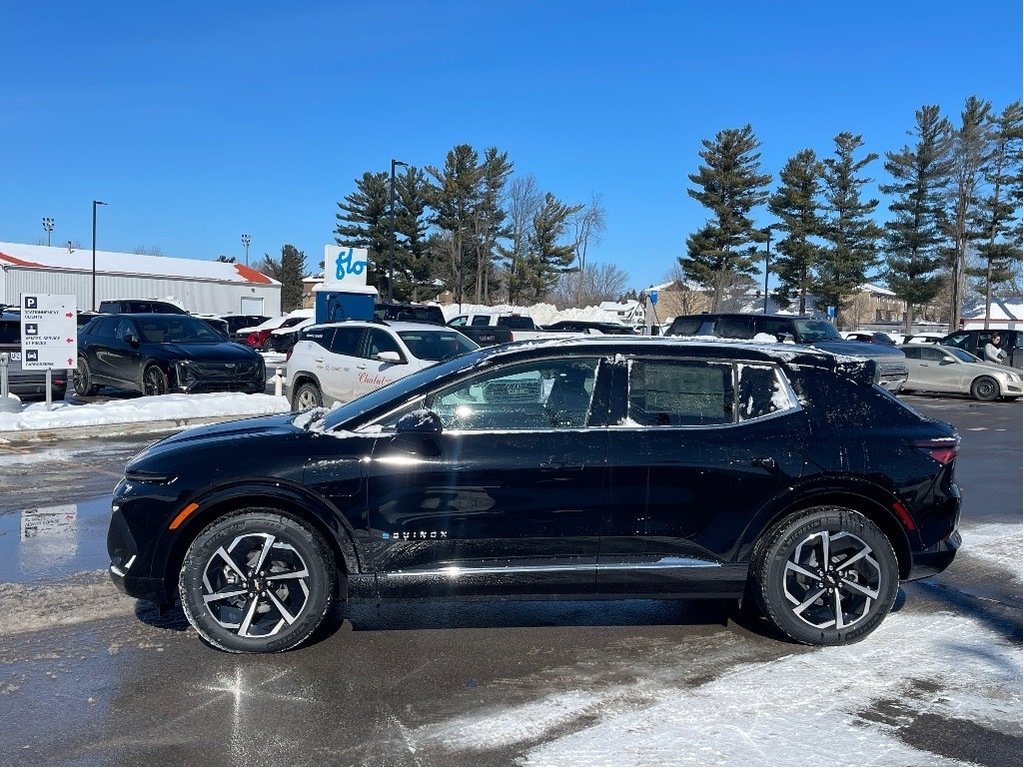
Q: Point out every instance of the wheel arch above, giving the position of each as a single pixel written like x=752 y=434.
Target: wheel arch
x=291 y=501
x=870 y=506
x=999 y=384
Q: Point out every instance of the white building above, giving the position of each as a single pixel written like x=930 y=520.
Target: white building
x=199 y=286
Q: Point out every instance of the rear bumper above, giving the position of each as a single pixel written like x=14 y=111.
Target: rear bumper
x=935 y=559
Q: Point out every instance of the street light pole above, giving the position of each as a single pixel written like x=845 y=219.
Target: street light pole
x=94 y=204
x=246 y=241
x=391 y=237
x=48 y=226
x=767 y=250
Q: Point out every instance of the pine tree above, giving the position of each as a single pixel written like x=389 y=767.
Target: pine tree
x=454 y=196
x=914 y=236
x=414 y=264
x=969 y=148
x=997 y=226
x=547 y=258
x=795 y=204
x=730 y=184
x=363 y=222
x=851 y=236
x=488 y=218
x=293 y=269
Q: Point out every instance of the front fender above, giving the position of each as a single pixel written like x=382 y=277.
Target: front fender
x=291 y=498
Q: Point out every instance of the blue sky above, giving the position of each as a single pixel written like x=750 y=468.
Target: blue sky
x=198 y=121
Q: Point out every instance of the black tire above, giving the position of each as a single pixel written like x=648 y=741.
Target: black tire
x=307 y=396
x=800 y=597
x=154 y=381
x=252 y=617
x=81 y=379
x=985 y=388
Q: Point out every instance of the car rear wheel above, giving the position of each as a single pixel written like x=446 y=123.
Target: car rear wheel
x=827 y=576
x=154 y=381
x=82 y=379
x=307 y=396
x=985 y=388
x=257 y=581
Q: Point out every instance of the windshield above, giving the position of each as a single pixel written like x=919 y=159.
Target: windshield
x=436 y=345
x=809 y=331
x=159 y=329
x=345 y=413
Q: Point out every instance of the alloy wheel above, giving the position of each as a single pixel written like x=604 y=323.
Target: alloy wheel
x=831 y=580
x=256 y=586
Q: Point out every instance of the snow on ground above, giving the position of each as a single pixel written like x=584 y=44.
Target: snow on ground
x=172 y=407
x=828 y=706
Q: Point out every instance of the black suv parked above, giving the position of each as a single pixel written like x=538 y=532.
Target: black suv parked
x=155 y=353
x=589 y=466
x=975 y=341
x=891 y=363
x=413 y=313
x=21 y=382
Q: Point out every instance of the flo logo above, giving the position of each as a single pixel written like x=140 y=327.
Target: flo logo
x=346 y=266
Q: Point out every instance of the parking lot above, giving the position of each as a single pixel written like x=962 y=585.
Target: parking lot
x=88 y=676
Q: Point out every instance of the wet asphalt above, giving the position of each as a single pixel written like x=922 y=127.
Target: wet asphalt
x=90 y=677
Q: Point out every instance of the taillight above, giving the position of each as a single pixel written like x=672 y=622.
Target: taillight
x=943 y=449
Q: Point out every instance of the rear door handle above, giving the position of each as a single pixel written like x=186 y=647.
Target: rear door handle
x=765 y=462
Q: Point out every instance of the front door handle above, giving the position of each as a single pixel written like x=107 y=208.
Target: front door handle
x=765 y=462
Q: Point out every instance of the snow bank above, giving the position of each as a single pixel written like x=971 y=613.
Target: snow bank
x=173 y=407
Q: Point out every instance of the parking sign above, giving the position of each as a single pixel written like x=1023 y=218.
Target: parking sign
x=49 y=331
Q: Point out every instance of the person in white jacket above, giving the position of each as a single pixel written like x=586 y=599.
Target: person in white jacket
x=993 y=351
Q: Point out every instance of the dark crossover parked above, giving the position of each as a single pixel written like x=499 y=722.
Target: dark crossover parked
x=891 y=364
x=585 y=326
x=974 y=341
x=24 y=383
x=583 y=467
x=413 y=313
x=238 y=322
x=118 y=306
x=154 y=354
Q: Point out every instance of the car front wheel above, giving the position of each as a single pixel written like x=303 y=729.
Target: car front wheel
x=985 y=388
x=257 y=581
x=825 y=577
x=307 y=396
x=154 y=381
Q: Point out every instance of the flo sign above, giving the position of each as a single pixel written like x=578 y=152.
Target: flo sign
x=49 y=331
x=344 y=267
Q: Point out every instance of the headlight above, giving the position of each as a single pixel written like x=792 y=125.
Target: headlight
x=186 y=376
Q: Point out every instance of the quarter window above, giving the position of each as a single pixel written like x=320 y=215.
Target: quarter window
x=762 y=391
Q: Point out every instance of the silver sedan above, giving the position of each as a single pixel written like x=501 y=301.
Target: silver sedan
x=935 y=368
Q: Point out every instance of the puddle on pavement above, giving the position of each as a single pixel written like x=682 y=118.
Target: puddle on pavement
x=48 y=543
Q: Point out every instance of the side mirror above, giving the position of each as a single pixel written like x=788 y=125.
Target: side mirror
x=419 y=422
x=947 y=361
x=131 y=338
x=389 y=357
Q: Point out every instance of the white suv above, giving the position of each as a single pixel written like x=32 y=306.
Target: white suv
x=338 y=362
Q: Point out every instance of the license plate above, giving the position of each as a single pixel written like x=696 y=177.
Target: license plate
x=15 y=357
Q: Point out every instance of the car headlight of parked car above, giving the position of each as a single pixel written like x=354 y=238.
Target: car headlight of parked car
x=185 y=375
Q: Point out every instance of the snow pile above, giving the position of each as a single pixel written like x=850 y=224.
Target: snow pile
x=173 y=407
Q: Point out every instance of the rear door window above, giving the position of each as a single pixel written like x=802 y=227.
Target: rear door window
x=320 y=336
x=680 y=393
x=686 y=326
x=346 y=341
x=763 y=391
